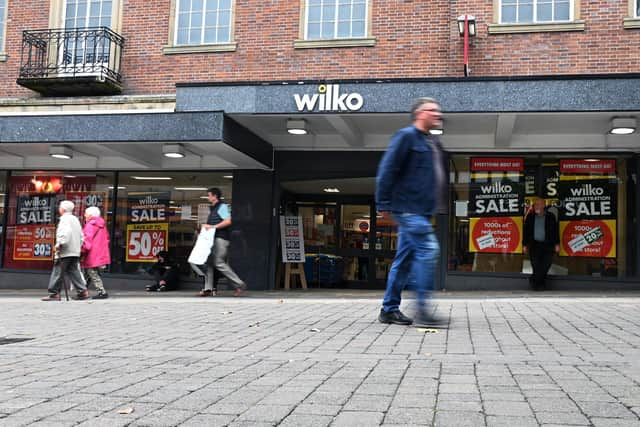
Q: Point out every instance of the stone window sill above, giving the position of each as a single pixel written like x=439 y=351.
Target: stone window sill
x=3 y=57
x=311 y=44
x=631 y=23
x=220 y=47
x=536 y=28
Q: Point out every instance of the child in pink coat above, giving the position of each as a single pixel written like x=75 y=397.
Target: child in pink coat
x=95 y=250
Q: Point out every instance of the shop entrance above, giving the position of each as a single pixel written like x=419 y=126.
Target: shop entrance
x=347 y=245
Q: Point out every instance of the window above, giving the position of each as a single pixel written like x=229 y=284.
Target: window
x=637 y=9
x=335 y=19
x=201 y=22
x=3 y=20
x=535 y=11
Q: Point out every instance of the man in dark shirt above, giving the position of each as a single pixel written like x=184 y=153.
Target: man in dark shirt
x=220 y=219
x=540 y=239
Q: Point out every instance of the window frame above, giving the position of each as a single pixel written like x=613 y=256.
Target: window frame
x=573 y=24
x=173 y=48
x=535 y=13
x=632 y=20
x=304 y=43
x=4 y=13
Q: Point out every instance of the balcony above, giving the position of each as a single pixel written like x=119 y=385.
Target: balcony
x=71 y=62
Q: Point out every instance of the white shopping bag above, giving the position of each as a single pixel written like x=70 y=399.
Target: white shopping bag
x=202 y=249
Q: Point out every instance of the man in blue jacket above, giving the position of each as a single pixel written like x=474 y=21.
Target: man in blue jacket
x=411 y=187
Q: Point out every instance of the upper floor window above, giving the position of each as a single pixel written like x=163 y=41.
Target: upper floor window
x=201 y=22
x=87 y=13
x=637 y=9
x=335 y=19
x=535 y=11
x=3 y=20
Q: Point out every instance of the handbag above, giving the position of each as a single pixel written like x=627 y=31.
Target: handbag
x=202 y=248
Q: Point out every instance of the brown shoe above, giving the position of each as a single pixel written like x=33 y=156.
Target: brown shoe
x=51 y=297
x=205 y=293
x=239 y=290
x=81 y=296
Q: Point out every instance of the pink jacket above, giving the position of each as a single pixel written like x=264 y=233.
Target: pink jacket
x=95 y=247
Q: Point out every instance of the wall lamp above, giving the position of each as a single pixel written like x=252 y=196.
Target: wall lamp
x=623 y=125
x=466 y=28
x=297 y=126
x=173 y=151
x=60 y=152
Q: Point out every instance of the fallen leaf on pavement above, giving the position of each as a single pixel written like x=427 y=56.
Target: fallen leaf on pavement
x=254 y=324
x=280 y=301
x=227 y=312
x=427 y=330
x=315 y=330
x=125 y=411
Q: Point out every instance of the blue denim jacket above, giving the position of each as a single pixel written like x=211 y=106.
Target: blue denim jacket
x=406 y=177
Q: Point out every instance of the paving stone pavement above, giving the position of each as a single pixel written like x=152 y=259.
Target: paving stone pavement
x=319 y=361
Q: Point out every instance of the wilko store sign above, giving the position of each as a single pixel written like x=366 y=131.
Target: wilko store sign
x=329 y=98
x=496 y=197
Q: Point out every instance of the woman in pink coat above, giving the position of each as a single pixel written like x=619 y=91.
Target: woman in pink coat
x=95 y=250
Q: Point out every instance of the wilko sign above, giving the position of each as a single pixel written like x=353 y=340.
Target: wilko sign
x=329 y=98
x=496 y=197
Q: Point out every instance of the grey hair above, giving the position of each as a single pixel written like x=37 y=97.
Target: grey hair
x=67 y=205
x=92 y=211
x=419 y=103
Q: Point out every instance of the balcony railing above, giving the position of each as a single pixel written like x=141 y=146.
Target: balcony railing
x=78 y=61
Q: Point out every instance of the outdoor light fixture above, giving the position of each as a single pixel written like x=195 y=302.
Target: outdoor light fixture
x=623 y=125
x=297 y=126
x=438 y=131
x=174 y=151
x=60 y=152
x=466 y=28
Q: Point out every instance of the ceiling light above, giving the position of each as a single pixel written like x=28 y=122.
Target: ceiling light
x=152 y=178
x=60 y=152
x=331 y=190
x=190 y=188
x=297 y=126
x=623 y=125
x=173 y=151
x=227 y=176
x=436 y=131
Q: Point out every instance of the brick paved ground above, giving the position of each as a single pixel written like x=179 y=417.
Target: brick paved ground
x=319 y=361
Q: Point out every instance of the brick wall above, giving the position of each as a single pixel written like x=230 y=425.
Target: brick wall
x=414 y=39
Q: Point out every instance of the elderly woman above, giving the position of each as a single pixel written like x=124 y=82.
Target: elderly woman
x=95 y=250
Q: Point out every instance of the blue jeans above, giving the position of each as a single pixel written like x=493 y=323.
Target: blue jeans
x=415 y=260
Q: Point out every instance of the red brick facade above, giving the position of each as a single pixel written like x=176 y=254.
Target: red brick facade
x=414 y=39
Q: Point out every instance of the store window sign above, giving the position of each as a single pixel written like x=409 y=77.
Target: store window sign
x=496 y=194
x=329 y=98
x=53 y=185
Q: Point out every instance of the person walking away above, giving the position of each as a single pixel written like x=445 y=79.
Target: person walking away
x=67 y=255
x=220 y=219
x=95 y=254
x=411 y=188
x=540 y=239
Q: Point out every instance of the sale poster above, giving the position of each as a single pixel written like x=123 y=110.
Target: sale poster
x=292 y=239
x=34 y=242
x=148 y=207
x=84 y=199
x=496 y=197
x=145 y=241
x=36 y=208
x=588 y=194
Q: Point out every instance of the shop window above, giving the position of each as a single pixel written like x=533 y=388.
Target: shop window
x=328 y=23
x=492 y=195
x=157 y=212
x=3 y=23
x=33 y=199
x=202 y=25
x=3 y=198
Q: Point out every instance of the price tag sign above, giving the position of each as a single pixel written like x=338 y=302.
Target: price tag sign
x=34 y=242
x=145 y=241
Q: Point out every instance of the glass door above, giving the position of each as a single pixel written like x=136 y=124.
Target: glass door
x=355 y=243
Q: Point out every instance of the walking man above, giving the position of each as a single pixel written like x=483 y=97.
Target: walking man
x=411 y=187
x=220 y=219
x=67 y=255
x=540 y=239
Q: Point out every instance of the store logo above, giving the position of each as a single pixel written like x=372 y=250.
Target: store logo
x=329 y=98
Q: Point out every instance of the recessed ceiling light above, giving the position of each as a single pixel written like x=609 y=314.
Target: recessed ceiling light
x=331 y=190
x=436 y=131
x=228 y=176
x=190 y=188
x=623 y=125
x=152 y=178
x=297 y=126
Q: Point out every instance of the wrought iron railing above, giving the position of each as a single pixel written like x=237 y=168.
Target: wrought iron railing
x=71 y=52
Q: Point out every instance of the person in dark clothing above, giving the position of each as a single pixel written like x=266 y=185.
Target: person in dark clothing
x=165 y=274
x=541 y=239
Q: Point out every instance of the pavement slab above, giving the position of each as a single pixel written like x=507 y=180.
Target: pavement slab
x=320 y=359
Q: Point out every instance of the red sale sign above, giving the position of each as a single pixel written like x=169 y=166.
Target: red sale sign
x=498 y=234
x=145 y=241
x=588 y=238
